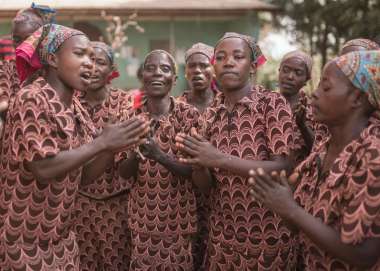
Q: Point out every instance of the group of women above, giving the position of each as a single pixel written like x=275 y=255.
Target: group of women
x=228 y=176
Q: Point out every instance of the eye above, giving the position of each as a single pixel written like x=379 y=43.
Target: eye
x=166 y=68
x=219 y=57
x=79 y=52
x=239 y=57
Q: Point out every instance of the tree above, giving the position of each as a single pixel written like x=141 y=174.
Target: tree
x=323 y=26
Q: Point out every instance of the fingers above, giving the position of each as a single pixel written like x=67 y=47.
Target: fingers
x=190 y=161
x=186 y=149
x=195 y=134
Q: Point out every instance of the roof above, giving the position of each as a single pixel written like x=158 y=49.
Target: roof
x=149 y=7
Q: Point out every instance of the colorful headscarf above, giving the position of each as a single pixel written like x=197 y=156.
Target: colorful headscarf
x=200 y=48
x=33 y=53
x=362 y=68
x=366 y=44
x=159 y=51
x=109 y=52
x=305 y=58
x=45 y=13
x=257 y=56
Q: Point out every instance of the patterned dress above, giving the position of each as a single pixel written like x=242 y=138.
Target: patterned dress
x=36 y=217
x=347 y=198
x=162 y=206
x=244 y=235
x=8 y=79
x=203 y=212
x=101 y=225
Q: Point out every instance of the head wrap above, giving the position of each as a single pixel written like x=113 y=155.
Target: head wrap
x=305 y=58
x=257 y=56
x=200 y=48
x=159 y=51
x=33 y=53
x=362 y=68
x=109 y=52
x=45 y=13
x=366 y=44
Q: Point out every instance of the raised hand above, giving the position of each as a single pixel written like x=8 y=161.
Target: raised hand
x=202 y=152
x=273 y=191
x=124 y=135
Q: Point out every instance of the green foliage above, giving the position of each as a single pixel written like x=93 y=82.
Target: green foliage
x=324 y=25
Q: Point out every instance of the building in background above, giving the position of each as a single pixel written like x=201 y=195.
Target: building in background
x=173 y=25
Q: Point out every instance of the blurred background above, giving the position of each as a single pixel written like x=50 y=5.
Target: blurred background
x=135 y=27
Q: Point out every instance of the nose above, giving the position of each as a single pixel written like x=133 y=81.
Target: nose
x=291 y=75
x=229 y=61
x=89 y=63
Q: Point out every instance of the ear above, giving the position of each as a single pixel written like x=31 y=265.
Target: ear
x=175 y=80
x=357 y=98
x=52 y=60
x=253 y=68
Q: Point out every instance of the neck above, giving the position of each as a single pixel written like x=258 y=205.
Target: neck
x=201 y=96
x=64 y=92
x=292 y=99
x=158 y=106
x=233 y=96
x=343 y=134
x=96 y=96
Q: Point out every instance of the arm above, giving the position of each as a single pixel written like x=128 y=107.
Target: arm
x=152 y=151
x=96 y=167
x=205 y=155
x=113 y=138
x=274 y=192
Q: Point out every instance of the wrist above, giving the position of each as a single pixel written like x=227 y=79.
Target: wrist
x=100 y=144
x=221 y=160
x=295 y=214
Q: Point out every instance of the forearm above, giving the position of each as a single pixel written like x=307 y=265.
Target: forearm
x=175 y=167
x=241 y=166
x=48 y=169
x=363 y=255
x=202 y=178
x=96 y=167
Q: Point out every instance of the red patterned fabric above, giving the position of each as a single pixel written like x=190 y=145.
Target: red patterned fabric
x=347 y=198
x=162 y=205
x=36 y=218
x=320 y=130
x=7 y=50
x=258 y=127
x=8 y=80
x=161 y=253
x=102 y=217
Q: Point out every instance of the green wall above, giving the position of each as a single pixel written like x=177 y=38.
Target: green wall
x=182 y=35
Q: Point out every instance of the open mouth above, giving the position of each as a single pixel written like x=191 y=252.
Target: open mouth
x=287 y=85
x=86 y=77
x=157 y=83
x=229 y=74
x=197 y=79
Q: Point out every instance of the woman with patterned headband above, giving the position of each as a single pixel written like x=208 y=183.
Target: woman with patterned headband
x=246 y=127
x=359 y=45
x=162 y=207
x=47 y=151
x=26 y=22
x=336 y=206
x=102 y=218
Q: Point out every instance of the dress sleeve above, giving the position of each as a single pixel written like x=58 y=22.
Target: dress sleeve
x=34 y=134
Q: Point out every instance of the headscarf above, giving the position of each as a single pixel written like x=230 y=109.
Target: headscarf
x=200 y=48
x=33 y=53
x=305 y=58
x=159 y=51
x=109 y=52
x=365 y=43
x=257 y=56
x=45 y=13
x=362 y=68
